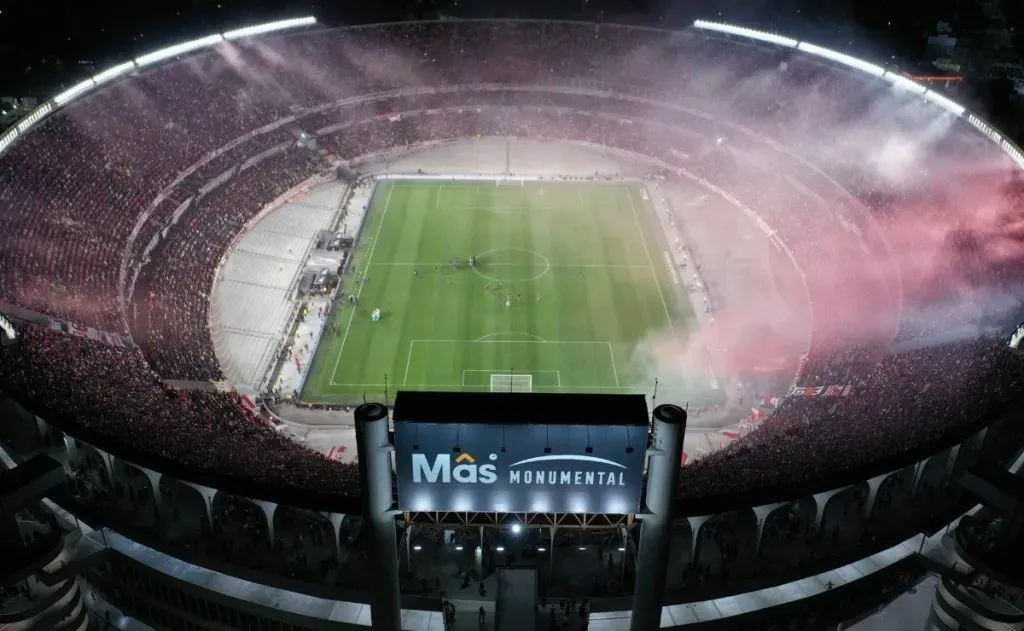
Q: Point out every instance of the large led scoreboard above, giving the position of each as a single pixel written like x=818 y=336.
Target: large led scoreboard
x=520 y=453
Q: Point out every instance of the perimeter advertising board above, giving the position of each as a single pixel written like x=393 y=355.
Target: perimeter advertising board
x=519 y=468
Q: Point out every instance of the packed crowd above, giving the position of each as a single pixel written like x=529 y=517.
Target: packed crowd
x=170 y=321
x=68 y=225
x=112 y=391
x=77 y=183
x=910 y=399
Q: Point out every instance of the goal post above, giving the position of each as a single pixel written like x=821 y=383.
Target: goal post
x=507 y=382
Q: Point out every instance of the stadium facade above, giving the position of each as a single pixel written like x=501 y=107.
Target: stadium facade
x=809 y=553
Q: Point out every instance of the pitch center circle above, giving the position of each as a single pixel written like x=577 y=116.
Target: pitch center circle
x=492 y=260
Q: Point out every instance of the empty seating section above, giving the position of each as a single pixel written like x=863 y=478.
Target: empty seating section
x=170 y=320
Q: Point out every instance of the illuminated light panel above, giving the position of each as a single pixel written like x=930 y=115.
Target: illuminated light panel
x=179 y=49
x=269 y=27
x=900 y=81
x=116 y=71
x=34 y=117
x=1014 y=153
x=746 y=32
x=7 y=139
x=984 y=128
x=942 y=101
x=74 y=91
x=895 y=78
x=842 y=58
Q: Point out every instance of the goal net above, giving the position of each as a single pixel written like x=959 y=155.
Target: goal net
x=511 y=383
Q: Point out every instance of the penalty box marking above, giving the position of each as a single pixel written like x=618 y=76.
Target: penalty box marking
x=557 y=373
x=501 y=209
x=412 y=344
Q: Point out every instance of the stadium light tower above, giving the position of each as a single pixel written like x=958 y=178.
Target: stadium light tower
x=665 y=455
x=375 y=481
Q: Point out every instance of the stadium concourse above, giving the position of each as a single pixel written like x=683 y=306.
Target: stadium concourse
x=873 y=353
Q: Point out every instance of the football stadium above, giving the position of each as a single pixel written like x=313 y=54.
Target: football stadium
x=509 y=324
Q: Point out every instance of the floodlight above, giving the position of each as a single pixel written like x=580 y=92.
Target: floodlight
x=35 y=116
x=942 y=101
x=729 y=29
x=268 y=27
x=74 y=91
x=984 y=128
x=178 y=49
x=7 y=138
x=116 y=71
x=842 y=58
x=904 y=83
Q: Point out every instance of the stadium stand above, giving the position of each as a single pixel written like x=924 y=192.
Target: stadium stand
x=85 y=191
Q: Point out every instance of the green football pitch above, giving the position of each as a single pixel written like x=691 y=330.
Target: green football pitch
x=571 y=287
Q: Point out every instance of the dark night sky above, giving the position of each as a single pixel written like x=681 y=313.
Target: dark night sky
x=65 y=31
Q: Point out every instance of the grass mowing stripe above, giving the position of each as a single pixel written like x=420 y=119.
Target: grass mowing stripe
x=654 y=272
x=596 y=296
x=362 y=282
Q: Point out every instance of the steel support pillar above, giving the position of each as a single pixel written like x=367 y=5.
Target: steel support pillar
x=664 y=457
x=375 y=483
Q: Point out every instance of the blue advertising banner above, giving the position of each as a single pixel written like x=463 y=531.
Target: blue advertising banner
x=534 y=468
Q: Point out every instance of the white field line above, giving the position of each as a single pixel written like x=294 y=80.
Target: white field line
x=362 y=282
x=553 y=265
x=437 y=200
x=508 y=374
x=512 y=208
x=509 y=342
x=650 y=261
x=408 y=362
x=494 y=372
x=633 y=389
x=615 y=371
